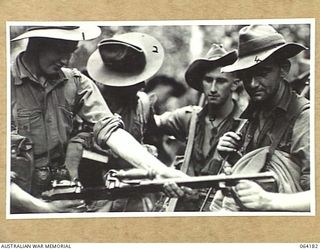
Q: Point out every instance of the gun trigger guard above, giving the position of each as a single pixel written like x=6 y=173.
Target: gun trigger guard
x=223 y=185
x=236 y=198
x=111 y=181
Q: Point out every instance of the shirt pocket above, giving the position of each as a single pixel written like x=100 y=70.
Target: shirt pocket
x=30 y=124
x=29 y=121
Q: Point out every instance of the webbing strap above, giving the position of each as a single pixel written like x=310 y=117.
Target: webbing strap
x=187 y=156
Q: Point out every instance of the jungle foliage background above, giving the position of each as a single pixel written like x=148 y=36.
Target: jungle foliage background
x=182 y=45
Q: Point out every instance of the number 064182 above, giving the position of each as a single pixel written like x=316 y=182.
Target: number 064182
x=309 y=245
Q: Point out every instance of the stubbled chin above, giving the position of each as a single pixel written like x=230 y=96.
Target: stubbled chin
x=51 y=74
x=214 y=103
x=258 y=97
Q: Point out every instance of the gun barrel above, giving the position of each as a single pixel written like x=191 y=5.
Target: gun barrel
x=151 y=186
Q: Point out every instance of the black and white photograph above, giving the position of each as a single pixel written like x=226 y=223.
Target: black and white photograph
x=160 y=118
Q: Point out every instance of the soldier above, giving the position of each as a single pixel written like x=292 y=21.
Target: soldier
x=202 y=126
x=120 y=66
x=45 y=97
x=277 y=138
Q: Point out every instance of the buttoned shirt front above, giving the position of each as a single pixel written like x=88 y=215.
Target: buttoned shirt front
x=43 y=110
x=265 y=123
x=177 y=123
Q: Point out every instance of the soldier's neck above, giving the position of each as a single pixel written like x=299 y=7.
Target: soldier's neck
x=220 y=112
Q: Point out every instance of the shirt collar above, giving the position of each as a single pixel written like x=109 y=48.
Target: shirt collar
x=282 y=97
x=281 y=100
x=236 y=111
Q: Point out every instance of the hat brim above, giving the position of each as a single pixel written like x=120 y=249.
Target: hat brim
x=154 y=55
x=287 y=50
x=85 y=32
x=197 y=68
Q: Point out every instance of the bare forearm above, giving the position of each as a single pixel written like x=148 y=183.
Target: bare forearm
x=254 y=197
x=299 y=202
x=124 y=145
x=26 y=202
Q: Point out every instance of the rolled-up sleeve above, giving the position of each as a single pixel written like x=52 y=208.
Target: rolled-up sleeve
x=103 y=129
x=177 y=122
x=93 y=109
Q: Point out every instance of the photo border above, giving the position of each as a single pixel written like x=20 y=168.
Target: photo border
x=181 y=229
x=306 y=21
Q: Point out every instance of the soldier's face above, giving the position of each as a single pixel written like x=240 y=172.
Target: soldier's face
x=217 y=86
x=262 y=81
x=54 y=57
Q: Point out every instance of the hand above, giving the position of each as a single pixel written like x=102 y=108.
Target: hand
x=66 y=206
x=23 y=201
x=228 y=142
x=253 y=196
x=172 y=190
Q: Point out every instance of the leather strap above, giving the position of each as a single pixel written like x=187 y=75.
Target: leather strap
x=187 y=156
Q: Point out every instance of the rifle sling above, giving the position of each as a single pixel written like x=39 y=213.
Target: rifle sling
x=287 y=123
x=187 y=156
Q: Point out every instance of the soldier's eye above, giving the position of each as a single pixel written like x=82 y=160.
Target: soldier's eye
x=221 y=80
x=207 y=79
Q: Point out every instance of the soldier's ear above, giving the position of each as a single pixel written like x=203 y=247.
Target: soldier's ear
x=285 y=68
x=152 y=98
x=236 y=84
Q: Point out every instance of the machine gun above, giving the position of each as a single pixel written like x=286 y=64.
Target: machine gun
x=118 y=184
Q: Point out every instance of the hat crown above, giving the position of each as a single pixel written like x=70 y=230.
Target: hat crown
x=216 y=51
x=121 y=56
x=257 y=38
x=72 y=33
x=126 y=59
x=216 y=57
x=53 y=27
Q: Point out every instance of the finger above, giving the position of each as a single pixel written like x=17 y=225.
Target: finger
x=167 y=189
x=75 y=204
x=178 y=191
x=188 y=192
x=246 y=184
x=233 y=135
x=241 y=185
x=251 y=205
x=227 y=141
x=249 y=189
x=65 y=204
x=80 y=209
x=170 y=189
x=226 y=148
x=244 y=193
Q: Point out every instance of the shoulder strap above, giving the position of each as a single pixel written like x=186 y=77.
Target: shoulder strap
x=187 y=155
x=191 y=136
x=145 y=105
x=297 y=105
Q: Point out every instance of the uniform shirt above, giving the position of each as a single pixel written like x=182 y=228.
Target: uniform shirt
x=43 y=110
x=137 y=117
x=177 y=123
x=264 y=124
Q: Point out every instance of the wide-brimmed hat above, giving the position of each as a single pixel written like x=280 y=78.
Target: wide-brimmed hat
x=71 y=33
x=257 y=43
x=126 y=59
x=216 y=57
